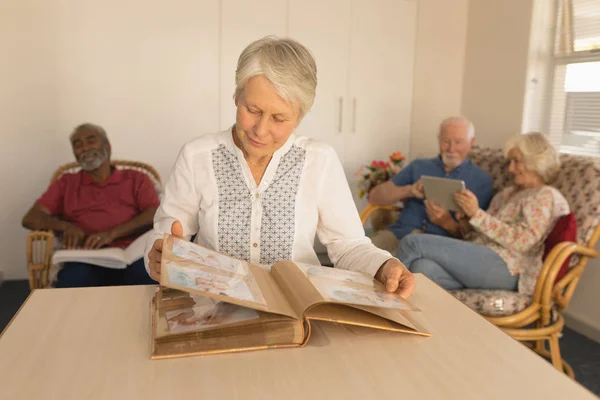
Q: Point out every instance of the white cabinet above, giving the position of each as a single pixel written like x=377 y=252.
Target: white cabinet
x=324 y=27
x=365 y=57
x=380 y=81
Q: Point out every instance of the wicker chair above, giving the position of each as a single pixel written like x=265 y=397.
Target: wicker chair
x=536 y=319
x=40 y=244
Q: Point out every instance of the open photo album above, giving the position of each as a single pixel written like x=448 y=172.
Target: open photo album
x=210 y=303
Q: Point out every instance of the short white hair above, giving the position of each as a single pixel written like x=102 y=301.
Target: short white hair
x=287 y=64
x=455 y=120
x=539 y=155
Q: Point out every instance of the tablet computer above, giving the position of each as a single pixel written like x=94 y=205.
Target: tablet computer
x=441 y=191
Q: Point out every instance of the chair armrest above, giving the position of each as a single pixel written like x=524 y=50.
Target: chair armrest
x=553 y=292
x=551 y=264
x=369 y=209
x=523 y=318
x=39 y=256
x=547 y=294
x=585 y=251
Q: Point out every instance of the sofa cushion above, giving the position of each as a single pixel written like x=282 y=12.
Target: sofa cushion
x=493 y=303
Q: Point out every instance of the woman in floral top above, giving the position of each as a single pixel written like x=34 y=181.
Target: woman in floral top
x=505 y=244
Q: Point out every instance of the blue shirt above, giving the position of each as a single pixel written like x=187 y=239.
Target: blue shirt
x=413 y=215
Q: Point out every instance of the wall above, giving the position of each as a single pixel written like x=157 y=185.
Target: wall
x=439 y=65
x=471 y=59
x=539 y=67
x=496 y=68
x=583 y=313
x=26 y=112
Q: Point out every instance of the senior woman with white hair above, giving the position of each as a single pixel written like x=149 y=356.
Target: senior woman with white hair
x=258 y=192
x=504 y=248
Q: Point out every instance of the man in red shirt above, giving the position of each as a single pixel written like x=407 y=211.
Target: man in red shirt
x=100 y=206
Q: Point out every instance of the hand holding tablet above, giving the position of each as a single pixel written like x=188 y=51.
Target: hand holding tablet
x=442 y=190
x=468 y=202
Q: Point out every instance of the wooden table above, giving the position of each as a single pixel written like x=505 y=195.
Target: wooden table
x=94 y=344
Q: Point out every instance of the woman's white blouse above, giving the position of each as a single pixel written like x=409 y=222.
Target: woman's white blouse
x=303 y=192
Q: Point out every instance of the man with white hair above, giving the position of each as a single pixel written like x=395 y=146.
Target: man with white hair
x=99 y=206
x=456 y=137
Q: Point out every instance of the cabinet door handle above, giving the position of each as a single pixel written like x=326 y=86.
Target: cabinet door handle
x=341 y=105
x=354 y=115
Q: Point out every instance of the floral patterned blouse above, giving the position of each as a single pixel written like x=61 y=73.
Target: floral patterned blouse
x=516 y=225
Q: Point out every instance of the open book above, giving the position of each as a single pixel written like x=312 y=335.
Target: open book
x=111 y=257
x=211 y=303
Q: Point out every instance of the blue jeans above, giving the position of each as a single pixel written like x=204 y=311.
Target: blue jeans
x=455 y=264
x=76 y=274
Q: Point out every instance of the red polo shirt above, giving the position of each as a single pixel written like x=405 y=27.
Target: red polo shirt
x=98 y=207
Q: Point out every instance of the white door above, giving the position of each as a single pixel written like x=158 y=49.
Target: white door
x=380 y=81
x=324 y=28
x=243 y=22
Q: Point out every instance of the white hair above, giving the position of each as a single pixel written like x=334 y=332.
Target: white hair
x=538 y=154
x=90 y=127
x=287 y=64
x=456 y=120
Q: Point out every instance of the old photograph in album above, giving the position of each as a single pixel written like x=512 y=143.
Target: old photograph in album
x=210 y=303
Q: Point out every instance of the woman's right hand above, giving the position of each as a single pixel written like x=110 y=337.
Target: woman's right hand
x=467 y=201
x=155 y=254
x=396 y=278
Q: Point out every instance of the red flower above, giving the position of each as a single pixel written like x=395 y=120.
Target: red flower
x=378 y=172
x=375 y=164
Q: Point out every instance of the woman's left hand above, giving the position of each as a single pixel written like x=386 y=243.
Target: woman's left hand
x=396 y=278
x=467 y=201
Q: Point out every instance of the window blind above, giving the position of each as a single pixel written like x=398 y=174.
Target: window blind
x=586 y=25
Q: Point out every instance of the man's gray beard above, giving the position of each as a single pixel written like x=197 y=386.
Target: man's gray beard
x=90 y=164
x=450 y=162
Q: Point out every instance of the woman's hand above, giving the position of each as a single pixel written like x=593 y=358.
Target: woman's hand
x=396 y=278
x=467 y=201
x=155 y=254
